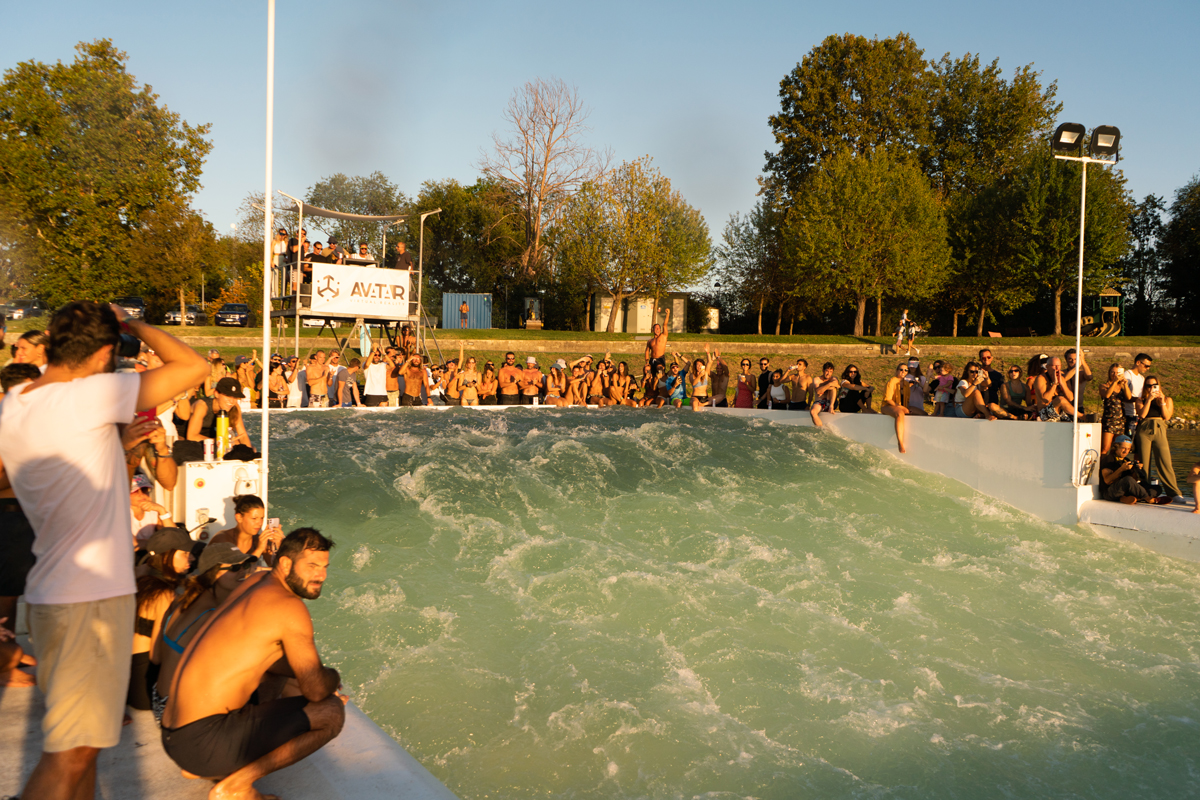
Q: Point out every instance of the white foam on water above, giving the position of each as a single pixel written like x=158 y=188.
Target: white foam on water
x=720 y=607
x=360 y=557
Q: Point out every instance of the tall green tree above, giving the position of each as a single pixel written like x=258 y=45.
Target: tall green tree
x=630 y=234
x=749 y=264
x=868 y=226
x=474 y=244
x=85 y=155
x=852 y=93
x=371 y=195
x=990 y=269
x=1181 y=247
x=981 y=126
x=1051 y=190
x=1142 y=267
x=175 y=249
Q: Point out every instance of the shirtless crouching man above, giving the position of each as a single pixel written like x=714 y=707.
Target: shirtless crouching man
x=213 y=725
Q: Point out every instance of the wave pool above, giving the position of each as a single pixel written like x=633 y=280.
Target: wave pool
x=634 y=604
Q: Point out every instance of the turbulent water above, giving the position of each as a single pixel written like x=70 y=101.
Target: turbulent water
x=673 y=605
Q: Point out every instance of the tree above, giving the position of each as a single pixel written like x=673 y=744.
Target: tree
x=629 y=233
x=543 y=162
x=982 y=126
x=852 y=93
x=988 y=236
x=373 y=195
x=1181 y=245
x=867 y=226
x=174 y=250
x=749 y=262
x=1051 y=205
x=473 y=244
x=1142 y=267
x=85 y=155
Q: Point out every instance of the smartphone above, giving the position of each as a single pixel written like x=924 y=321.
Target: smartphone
x=149 y=413
x=273 y=522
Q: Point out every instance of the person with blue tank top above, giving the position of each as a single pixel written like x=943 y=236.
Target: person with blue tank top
x=221 y=569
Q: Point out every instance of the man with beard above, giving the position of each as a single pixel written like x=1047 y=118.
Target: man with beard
x=223 y=721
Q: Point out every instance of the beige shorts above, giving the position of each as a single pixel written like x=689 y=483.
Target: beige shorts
x=83 y=652
x=393 y=398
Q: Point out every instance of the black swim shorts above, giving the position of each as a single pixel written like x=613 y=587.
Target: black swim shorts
x=655 y=363
x=510 y=399
x=220 y=745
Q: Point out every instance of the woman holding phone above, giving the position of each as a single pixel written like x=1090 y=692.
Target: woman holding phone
x=248 y=534
x=1155 y=409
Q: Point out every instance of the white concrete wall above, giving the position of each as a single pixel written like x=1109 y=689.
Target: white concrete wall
x=1024 y=464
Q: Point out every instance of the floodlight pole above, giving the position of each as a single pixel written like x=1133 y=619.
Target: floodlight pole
x=420 y=278
x=1084 y=160
x=267 y=225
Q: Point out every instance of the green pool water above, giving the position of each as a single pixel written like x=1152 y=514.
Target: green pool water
x=636 y=604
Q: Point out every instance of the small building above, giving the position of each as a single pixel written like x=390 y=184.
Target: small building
x=636 y=314
x=479 y=310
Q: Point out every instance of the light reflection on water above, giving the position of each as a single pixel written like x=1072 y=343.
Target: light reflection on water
x=633 y=604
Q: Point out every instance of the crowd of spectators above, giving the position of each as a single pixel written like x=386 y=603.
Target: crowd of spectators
x=128 y=610
x=115 y=591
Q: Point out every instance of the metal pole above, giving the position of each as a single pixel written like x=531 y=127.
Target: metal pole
x=420 y=278
x=420 y=286
x=1079 y=330
x=297 y=277
x=267 y=225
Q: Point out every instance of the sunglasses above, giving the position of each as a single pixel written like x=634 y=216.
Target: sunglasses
x=1014 y=372
x=239 y=567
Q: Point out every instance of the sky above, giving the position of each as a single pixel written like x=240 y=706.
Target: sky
x=416 y=90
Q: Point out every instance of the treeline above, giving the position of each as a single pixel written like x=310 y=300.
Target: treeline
x=896 y=182
x=96 y=179
x=902 y=182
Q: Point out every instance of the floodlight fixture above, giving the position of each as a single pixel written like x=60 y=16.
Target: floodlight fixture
x=1106 y=141
x=1068 y=137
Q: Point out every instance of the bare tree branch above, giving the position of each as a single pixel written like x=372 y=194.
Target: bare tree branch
x=541 y=161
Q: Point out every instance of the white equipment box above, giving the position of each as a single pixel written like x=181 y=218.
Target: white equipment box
x=206 y=489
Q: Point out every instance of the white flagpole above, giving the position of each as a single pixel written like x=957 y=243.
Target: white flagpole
x=268 y=223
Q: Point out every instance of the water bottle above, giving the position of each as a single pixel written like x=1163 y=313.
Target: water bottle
x=222 y=434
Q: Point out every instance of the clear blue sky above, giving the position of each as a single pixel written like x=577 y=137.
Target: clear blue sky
x=415 y=90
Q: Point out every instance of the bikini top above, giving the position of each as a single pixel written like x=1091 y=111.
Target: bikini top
x=174 y=643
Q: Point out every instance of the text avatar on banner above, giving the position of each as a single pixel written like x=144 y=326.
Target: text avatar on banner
x=361 y=291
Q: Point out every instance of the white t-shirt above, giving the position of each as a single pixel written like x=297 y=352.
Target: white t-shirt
x=1136 y=384
x=376 y=379
x=144 y=528
x=64 y=459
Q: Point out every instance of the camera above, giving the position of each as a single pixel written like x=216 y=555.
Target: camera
x=128 y=346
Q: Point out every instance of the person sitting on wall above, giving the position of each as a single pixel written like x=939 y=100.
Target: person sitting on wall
x=222 y=721
x=1122 y=478
x=203 y=425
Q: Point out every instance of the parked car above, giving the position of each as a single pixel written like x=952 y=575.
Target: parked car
x=24 y=309
x=233 y=314
x=195 y=316
x=135 y=307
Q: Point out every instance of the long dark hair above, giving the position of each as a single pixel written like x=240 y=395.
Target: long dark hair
x=162 y=579
x=857 y=379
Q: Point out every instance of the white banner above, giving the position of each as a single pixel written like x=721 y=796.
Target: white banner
x=361 y=291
